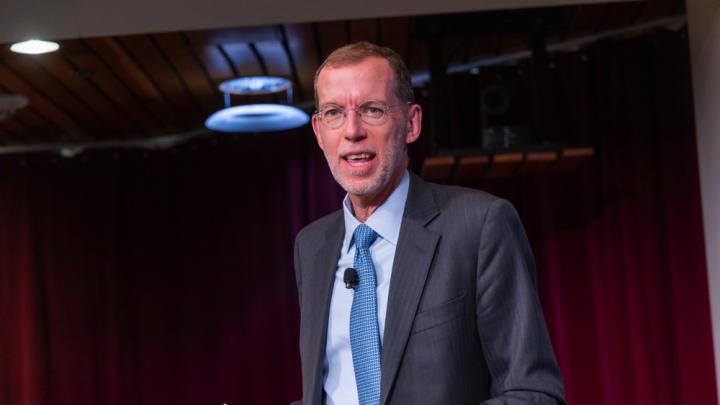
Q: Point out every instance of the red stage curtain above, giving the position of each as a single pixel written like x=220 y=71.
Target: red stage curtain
x=166 y=277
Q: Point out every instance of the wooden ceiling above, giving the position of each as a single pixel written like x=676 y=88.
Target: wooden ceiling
x=143 y=86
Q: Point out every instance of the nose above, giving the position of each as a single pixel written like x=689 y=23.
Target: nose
x=354 y=130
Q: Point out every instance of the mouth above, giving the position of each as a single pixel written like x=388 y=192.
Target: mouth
x=358 y=159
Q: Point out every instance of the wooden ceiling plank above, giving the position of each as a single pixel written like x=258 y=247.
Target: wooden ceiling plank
x=243 y=59
x=364 y=30
x=275 y=58
x=15 y=84
x=39 y=129
x=191 y=70
x=55 y=90
x=132 y=75
x=218 y=65
x=122 y=100
x=258 y=58
x=332 y=36
x=20 y=132
x=298 y=91
x=304 y=53
x=78 y=81
x=165 y=78
x=395 y=33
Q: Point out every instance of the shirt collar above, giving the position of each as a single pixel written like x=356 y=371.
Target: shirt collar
x=386 y=219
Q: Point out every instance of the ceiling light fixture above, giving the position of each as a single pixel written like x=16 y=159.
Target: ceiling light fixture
x=34 y=47
x=256 y=117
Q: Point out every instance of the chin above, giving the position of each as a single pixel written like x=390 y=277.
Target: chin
x=361 y=188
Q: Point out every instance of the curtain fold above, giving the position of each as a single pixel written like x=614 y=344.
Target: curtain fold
x=166 y=277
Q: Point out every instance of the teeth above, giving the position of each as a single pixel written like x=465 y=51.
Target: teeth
x=359 y=156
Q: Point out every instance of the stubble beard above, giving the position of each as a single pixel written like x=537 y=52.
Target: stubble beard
x=392 y=160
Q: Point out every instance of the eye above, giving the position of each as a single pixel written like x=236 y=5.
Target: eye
x=372 y=111
x=331 y=113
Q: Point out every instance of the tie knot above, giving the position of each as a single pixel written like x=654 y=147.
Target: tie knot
x=364 y=236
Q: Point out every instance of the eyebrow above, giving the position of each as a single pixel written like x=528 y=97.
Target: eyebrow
x=333 y=104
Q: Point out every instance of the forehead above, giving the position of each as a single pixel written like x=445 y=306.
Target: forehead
x=370 y=79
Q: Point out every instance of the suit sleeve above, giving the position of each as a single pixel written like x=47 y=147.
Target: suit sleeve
x=510 y=321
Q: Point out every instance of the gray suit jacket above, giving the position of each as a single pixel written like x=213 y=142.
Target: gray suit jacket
x=463 y=324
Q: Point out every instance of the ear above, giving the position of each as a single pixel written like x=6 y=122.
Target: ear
x=414 y=123
x=316 y=129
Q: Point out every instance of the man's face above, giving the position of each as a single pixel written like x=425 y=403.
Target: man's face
x=368 y=161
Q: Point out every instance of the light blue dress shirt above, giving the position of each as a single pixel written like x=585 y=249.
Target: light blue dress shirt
x=339 y=383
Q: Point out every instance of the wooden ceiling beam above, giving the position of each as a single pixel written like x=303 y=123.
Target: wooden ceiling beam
x=55 y=90
x=163 y=75
x=59 y=120
x=131 y=74
x=190 y=71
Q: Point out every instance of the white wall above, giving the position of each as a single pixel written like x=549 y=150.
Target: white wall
x=704 y=26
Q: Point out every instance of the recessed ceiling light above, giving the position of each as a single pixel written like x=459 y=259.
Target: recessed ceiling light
x=34 y=47
x=253 y=85
x=257 y=118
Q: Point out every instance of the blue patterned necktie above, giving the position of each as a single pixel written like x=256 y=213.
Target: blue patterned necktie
x=364 y=330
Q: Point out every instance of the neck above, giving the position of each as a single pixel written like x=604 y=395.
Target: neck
x=364 y=205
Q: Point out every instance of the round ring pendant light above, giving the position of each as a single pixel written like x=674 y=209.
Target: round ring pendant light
x=256 y=117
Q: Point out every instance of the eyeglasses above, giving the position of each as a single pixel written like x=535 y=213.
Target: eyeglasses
x=371 y=112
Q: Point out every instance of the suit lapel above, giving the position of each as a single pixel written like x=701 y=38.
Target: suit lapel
x=320 y=285
x=413 y=256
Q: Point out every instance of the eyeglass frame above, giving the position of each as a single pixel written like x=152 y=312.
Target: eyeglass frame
x=386 y=109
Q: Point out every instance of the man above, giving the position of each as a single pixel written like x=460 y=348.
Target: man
x=439 y=305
